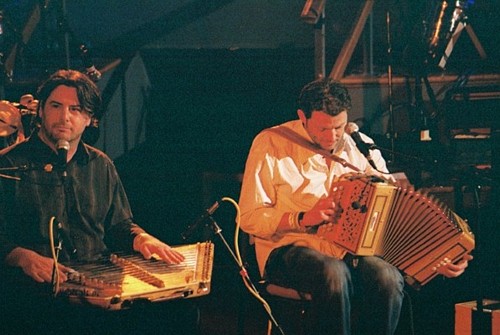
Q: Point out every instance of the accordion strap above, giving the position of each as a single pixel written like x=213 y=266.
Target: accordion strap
x=300 y=140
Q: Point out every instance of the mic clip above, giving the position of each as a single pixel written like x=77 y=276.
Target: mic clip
x=207 y=214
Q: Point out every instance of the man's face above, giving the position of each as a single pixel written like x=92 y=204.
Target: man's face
x=325 y=130
x=62 y=116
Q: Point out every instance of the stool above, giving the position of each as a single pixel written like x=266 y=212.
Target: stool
x=288 y=306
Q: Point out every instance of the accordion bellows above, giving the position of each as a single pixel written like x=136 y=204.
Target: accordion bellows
x=408 y=229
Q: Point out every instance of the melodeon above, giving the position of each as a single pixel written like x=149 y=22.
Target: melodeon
x=409 y=230
x=119 y=281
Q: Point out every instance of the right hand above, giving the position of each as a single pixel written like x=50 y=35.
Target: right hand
x=36 y=266
x=323 y=211
x=148 y=245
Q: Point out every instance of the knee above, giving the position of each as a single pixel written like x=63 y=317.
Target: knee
x=337 y=278
x=390 y=281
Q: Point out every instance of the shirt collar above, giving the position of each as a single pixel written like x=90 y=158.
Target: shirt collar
x=44 y=152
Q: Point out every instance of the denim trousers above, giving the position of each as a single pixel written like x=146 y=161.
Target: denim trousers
x=368 y=286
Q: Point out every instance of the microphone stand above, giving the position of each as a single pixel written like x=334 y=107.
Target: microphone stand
x=475 y=181
x=431 y=164
x=394 y=153
x=243 y=271
x=392 y=132
x=62 y=147
x=59 y=239
x=64 y=26
x=479 y=248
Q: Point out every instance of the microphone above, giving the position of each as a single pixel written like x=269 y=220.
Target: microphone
x=353 y=130
x=90 y=69
x=206 y=214
x=65 y=239
x=62 y=147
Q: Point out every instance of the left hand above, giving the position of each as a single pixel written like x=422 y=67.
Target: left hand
x=148 y=245
x=451 y=270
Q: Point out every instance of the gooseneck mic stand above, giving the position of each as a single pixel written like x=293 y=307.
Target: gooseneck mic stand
x=243 y=271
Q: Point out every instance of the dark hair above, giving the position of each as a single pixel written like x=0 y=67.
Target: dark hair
x=88 y=93
x=324 y=95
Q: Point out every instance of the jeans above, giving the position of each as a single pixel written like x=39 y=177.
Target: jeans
x=369 y=284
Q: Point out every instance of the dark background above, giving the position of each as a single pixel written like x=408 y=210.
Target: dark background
x=221 y=71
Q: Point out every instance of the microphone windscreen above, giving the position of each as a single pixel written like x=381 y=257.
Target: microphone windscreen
x=62 y=145
x=351 y=127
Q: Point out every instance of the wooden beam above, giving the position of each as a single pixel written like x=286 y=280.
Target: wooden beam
x=347 y=50
x=475 y=41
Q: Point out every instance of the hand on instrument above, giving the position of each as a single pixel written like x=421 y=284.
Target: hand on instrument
x=405 y=185
x=148 y=245
x=323 y=211
x=36 y=266
x=399 y=179
x=451 y=270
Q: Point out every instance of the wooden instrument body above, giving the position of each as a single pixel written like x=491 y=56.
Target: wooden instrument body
x=124 y=280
